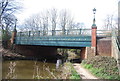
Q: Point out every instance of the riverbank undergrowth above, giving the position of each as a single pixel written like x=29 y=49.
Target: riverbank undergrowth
x=102 y=67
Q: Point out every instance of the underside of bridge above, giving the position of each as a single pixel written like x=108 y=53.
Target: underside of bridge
x=47 y=52
x=36 y=51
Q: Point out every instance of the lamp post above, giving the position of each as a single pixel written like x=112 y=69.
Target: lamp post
x=15 y=25
x=94 y=35
x=94 y=12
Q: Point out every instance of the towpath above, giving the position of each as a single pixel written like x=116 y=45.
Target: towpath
x=84 y=73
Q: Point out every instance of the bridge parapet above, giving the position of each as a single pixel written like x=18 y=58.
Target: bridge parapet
x=72 y=32
x=104 y=33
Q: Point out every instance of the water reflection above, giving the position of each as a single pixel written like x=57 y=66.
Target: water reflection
x=24 y=69
x=58 y=63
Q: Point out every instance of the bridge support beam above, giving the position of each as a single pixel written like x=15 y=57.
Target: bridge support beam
x=87 y=52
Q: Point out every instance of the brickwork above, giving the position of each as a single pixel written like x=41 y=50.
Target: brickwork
x=94 y=36
x=82 y=53
x=104 y=47
x=87 y=52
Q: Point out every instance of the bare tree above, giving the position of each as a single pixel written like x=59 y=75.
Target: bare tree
x=108 y=22
x=8 y=8
x=38 y=22
x=45 y=18
x=33 y=23
x=53 y=19
x=63 y=20
x=7 y=17
x=66 y=21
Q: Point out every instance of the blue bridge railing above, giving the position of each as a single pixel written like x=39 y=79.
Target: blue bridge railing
x=72 y=32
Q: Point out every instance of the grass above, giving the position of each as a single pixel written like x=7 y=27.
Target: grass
x=73 y=73
x=100 y=69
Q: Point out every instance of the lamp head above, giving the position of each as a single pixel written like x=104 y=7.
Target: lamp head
x=94 y=11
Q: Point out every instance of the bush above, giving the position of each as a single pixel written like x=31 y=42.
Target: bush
x=102 y=67
x=5 y=38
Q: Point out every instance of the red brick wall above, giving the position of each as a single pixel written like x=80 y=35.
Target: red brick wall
x=104 y=47
x=82 y=53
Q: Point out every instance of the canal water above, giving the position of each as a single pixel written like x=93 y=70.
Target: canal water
x=26 y=69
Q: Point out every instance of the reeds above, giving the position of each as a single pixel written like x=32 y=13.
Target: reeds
x=36 y=71
x=11 y=72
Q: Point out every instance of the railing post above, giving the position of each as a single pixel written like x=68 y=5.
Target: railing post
x=38 y=33
x=29 y=33
x=80 y=32
x=53 y=32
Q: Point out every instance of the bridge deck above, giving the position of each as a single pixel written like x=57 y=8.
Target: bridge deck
x=69 y=41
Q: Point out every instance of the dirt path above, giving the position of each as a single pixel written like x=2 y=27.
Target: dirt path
x=85 y=74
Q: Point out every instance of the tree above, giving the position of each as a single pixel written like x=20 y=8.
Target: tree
x=63 y=20
x=53 y=19
x=7 y=17
x=110 y=22
x=66 y=21
x=37 y=22
x=45 y=20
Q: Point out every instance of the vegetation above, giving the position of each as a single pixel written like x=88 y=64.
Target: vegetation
x=7 y=19
x=102 y=67
x=66 y=72
x=77 y=51
x=5 y=38
x=11 y=72
x=74 y=74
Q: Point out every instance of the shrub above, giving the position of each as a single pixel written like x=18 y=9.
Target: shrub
x=102 y=67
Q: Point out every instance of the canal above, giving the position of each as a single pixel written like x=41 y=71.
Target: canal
x=29 y=69
x=32 y=69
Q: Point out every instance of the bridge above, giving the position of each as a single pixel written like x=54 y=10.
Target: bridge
x=71 y=38
x=90 y=41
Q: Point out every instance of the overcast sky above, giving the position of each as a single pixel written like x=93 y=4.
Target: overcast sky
x=80 y=9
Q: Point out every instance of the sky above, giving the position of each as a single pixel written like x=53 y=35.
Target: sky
x=80 y=9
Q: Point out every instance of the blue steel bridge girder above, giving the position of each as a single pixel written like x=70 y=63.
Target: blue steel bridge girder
x=67 y=41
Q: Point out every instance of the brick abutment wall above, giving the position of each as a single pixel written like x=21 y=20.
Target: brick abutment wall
x=104 y=47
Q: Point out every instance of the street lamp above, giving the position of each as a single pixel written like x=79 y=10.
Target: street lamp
x=94 y=12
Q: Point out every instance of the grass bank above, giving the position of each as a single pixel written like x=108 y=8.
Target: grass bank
x=70 y=71
x=102 y=67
